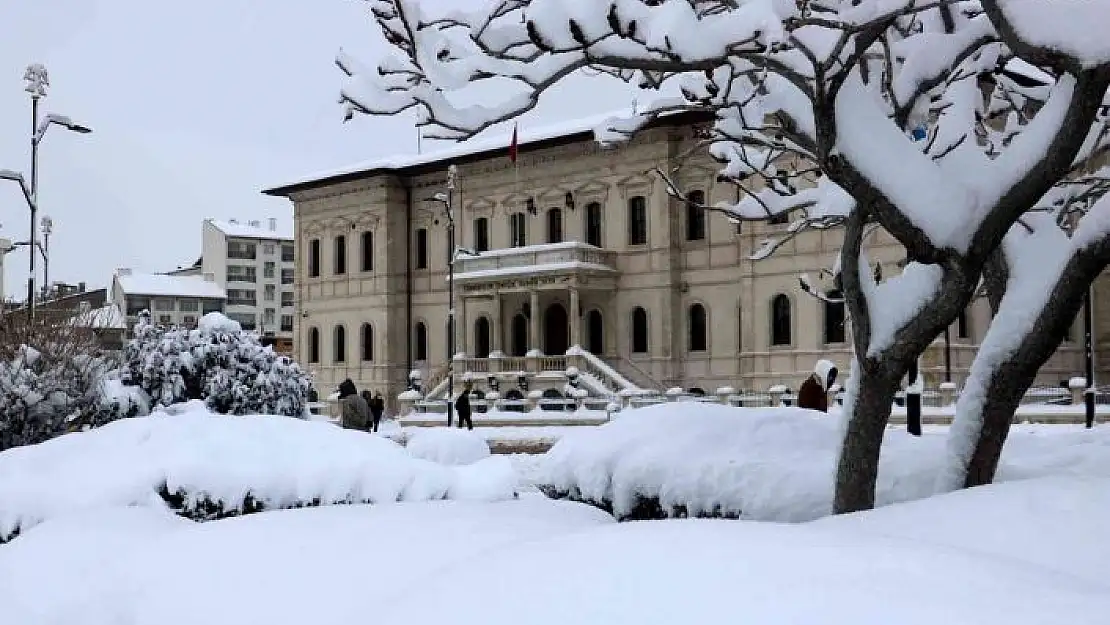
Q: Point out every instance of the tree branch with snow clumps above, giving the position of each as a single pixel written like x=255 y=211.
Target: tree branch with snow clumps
x=836 y=85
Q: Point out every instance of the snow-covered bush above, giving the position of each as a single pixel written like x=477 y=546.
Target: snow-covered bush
x=54 y=379
x=449 y=446
x=218 y=362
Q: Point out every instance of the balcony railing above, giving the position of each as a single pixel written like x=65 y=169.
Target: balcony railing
x=555 y=256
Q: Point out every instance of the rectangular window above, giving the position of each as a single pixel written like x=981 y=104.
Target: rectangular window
x=518 y=230
x=593 y=224
x=695 y=216
x=241 y=297
x=422 y=248
x=268 y=249
x=270 y=293
x=287 y=276
x=314 y=258
x=286 y=298
x=189 y=321
x=637 y=221
x=269 y=316
x=163 y=304
x=165 y=320
x=287 y=323
x=189 y=305
x=136 y=305
x=269 y=270
x=481 y=234
x=212 y=305
x=287 y=252
x=239 y=273
x=241 y=250
x=247 y=320
x=368 y=251
x=340 y=255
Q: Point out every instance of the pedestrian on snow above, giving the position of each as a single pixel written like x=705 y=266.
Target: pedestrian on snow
x=377 y=408
x=462 y=407
x=814 y=393
x=355 y=413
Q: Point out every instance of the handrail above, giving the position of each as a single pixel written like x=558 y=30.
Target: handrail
x=655 y=384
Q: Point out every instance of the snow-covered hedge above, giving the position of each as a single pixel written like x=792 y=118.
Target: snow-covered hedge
x=218 y=362
x=692 y=459
x=206 y=466
x=453 y=446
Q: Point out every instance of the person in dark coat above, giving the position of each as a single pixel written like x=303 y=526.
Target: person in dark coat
x=814 y=393
x=462 y=407
x=377 y=408
x=355 y=414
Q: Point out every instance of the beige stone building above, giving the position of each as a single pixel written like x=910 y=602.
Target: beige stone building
x=579 y=245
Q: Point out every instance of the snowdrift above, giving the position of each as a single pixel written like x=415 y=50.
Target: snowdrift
x=206 y=466
x=772 y=464
x=450 y=446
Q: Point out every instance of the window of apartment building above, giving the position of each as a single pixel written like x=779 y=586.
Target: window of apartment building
x=189 y=305
x=287 y=323
x=421 y=248
x=367 y=341
x=286 y=298
x=698 y=328
x=136 y=305
x=269 y=269
x=269 y=317
x=481 y=235
x=314 y=258
x=637 y=221
x=241 y=297
x=593 y=224
x=189 y=321
x=963 y=328
x=241 y=273
x=211 y=305
x=780 y=320
x=518 y=230
x=340 y=265
x=241 y=250
x=163 y=304
x=313 y=345
x=247 y=320
x=695 y=216
x=287 y=276
x=834 y=318
x=368 y=251
x=555 y=225
x=267 y=249
x=639 y=331
x=270 y=293
x=339 y=344
x=287 y=252
x=165 y=320
x=420 y=341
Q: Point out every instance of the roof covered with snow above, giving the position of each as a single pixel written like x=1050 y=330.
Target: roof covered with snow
x=247 y=230
x=169 y=286
x=472 y=150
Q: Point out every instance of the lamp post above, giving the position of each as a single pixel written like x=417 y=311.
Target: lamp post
x=1089 y=363
x=947 y=355
x=47 y=225
x=38 y=81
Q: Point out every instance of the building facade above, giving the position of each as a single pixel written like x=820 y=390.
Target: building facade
x=255 y=266
x=577 y=245
x=171 y=300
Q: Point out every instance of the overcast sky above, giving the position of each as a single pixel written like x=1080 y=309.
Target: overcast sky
x=195 y=107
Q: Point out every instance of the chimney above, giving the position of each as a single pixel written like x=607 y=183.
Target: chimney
x=255 y=223
x=273 y=224
x=123 y=271
x=209 y=277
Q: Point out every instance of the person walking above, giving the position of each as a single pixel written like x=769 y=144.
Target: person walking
x=462 y=408
x=377 y=408
x=814 y=393
x=355 y=414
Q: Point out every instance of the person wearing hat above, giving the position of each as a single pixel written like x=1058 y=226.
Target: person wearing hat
x=355 y=413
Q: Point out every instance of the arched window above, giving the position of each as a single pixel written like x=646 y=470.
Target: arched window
x=639 y=331
x=555 y=226
x=637 y=221
x=339 y=347
x=780 y=320
x=698 y=327
x=481 y=338
x=593 y=224
x=368 y=251
x=367 y=340
x=695 y=216
x=340 y=255
x=834 y=318
x=313 y=345
x=420 y=340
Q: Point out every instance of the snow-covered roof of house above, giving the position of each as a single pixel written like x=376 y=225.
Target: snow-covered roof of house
x=473 y=149
x=169 y=286
x=254 y=230
x=105 y=317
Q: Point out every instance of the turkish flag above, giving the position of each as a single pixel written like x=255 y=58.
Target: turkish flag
x=513 y=146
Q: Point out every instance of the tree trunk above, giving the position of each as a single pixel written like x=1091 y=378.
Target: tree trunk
x=867 y=412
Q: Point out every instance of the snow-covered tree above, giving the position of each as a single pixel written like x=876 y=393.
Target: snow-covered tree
x=817 y=104
x=54 y=379
x=218 y=362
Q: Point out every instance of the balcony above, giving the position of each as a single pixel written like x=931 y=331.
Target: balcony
x=571 y=257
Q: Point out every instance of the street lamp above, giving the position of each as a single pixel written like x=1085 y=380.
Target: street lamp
x=448 y=202
x=38 y=80
x=47 y=225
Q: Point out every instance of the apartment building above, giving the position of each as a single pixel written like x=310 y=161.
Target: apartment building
x=255 y=266
x=171 y=300
x=579 y=245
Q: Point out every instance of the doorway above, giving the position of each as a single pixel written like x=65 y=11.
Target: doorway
x=518 y=331
x=556 y=330
x=595 y=332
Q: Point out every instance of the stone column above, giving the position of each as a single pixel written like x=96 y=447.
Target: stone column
x=575 y=320
x=497 y=332
x=534 y=321
x=460 y=328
